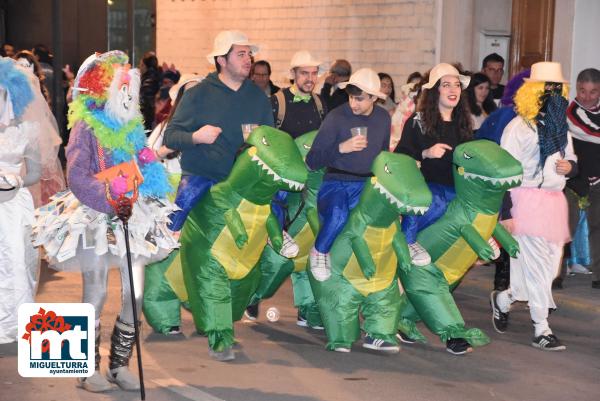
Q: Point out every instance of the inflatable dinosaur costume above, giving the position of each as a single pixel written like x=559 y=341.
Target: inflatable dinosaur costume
x=367 y=253
x=226 y=232
x=304 y=224
x=483 y=173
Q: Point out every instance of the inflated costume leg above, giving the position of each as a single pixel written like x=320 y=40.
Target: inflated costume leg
x=381 y=311
x=339 y=303
x=242 y=291
x=162 y=307
x=429 y=293
x=304 y=299
x=274 y=269
x=408 y=318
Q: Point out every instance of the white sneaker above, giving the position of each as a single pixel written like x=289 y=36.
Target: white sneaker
x=290 y=248
x=576 y=268
x=320 y=265
x=495 y=247
x=342 y=350
x=419 y=255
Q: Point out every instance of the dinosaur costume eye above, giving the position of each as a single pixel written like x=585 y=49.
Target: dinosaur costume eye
x=306 y=146
x=387 y=169
x=264 y=141
x=466 y=156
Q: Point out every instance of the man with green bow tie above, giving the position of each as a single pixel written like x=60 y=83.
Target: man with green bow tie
x=297 y=109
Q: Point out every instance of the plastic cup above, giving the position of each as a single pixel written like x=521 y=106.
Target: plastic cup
x=248 y=128
x=359 y=131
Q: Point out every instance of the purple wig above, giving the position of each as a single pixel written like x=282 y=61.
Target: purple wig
x=512 y=86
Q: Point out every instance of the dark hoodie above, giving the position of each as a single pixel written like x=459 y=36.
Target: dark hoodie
x=212 y=102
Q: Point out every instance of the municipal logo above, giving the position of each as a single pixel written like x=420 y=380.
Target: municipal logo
x=56 y=340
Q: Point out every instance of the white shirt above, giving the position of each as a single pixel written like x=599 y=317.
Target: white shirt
x=521 y=141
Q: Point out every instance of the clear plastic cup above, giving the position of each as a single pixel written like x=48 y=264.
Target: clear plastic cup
x=359 y=131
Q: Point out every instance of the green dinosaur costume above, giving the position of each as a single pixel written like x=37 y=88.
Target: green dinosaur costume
x=366 y=254
x=226 y=232
x=483 y=173
x=302 y=210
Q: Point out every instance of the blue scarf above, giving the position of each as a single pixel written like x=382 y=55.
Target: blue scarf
x=552 y=127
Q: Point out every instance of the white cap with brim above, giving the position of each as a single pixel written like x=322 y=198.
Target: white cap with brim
x=444 y=69
x=303 y=58
x=185 y=78
x=367 y=80
x=226 y=39
x=546 y=71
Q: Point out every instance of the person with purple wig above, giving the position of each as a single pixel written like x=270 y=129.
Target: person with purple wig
x=495 y=123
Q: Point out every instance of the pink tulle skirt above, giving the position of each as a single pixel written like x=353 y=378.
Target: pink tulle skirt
x=541 y=213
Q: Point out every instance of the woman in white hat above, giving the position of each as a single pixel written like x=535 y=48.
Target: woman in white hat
x=441 y=123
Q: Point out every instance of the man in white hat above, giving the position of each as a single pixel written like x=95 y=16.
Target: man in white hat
x=297 y=110
x=538 y=137
x=341 y=146
x=207 y=125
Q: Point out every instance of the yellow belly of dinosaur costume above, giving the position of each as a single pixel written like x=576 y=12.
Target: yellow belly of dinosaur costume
x=379 y=241
x=459 y=258
x=239 y=262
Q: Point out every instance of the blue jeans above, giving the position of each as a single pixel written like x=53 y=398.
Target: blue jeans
x=442 y=195
x=335 y=201
x=191 y=189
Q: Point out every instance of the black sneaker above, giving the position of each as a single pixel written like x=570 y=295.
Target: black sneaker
x=548 y=343
x=251 y=313
x=379 y=345
x=301 y=320
x=499 y=318
x=174 y=330
x=458 y=346
x=404 y=338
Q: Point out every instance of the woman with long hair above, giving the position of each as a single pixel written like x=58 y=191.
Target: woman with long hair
x=480 y=99
x=442 y=122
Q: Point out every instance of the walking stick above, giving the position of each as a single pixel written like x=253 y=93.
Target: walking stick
x=123 y=207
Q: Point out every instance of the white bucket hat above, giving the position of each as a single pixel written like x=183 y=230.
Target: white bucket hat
x=224 y=41
x=443 y=69
x=185 y=78
x=546 y=71
x=303 y=58
x=367 y=80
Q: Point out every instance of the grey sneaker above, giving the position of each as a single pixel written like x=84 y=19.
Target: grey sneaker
x=419 y=255
x=223 y=356
x=320 y=265
x=96 y=383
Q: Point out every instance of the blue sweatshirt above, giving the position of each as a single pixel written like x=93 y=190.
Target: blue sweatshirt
x=212 y=102
x=353 y=166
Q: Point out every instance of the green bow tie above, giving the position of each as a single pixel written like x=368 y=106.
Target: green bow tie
x=302 y=98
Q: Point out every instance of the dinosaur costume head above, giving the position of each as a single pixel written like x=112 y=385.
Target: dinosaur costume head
x=484 y=168
x=304 y=142
x=399 y=181
x=278 y=157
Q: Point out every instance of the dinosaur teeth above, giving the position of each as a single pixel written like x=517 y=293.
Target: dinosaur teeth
x=495 y=181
